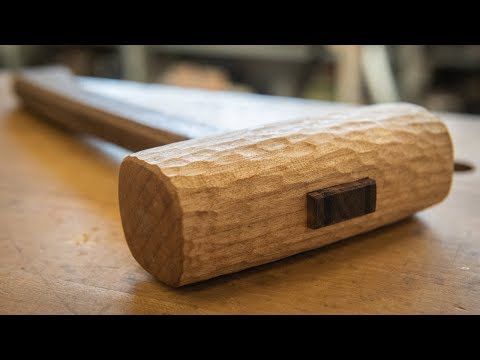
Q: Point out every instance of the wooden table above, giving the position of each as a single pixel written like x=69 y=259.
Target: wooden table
x=62 y=248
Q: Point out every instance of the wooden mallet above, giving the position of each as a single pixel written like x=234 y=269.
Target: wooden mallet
x=222 y=202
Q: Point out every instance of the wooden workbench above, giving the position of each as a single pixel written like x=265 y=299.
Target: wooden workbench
x=62 y=248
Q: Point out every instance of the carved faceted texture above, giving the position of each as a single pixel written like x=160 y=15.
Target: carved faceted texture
x=200 y=208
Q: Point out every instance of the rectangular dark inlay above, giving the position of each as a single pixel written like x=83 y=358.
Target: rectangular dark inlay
x=341 y=202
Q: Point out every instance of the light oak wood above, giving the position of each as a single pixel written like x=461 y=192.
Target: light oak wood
x=62 y=248
x=162 y=249
x=53 y=92
x=140 y=116
x=206 y=207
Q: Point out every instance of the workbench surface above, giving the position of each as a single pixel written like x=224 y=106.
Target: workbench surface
x=62 y=249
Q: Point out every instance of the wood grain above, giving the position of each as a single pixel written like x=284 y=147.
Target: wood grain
x=205 y=207
x=62 y=249
x=140 y=116
x=53 y=93
x=341 y=202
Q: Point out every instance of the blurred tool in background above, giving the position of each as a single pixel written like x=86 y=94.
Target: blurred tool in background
x=440 y=77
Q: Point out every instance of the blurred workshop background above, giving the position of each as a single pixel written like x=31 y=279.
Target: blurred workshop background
x=439 y=77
